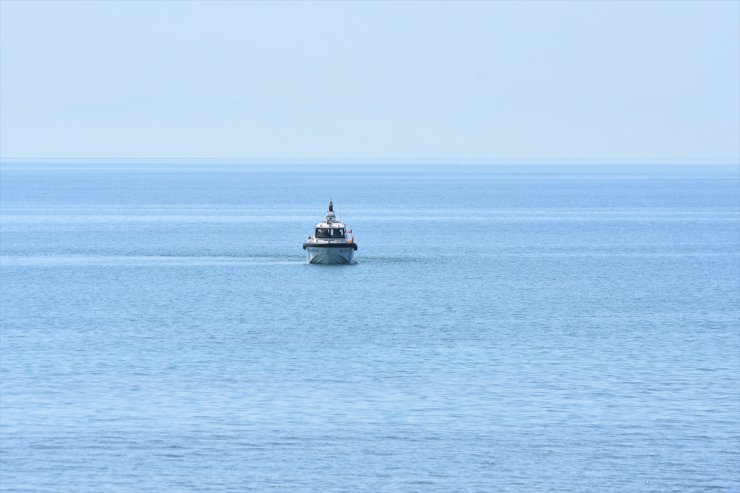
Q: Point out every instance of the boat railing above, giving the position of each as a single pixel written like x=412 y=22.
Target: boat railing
x=332 y=239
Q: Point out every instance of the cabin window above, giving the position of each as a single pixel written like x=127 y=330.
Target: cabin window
x=329 y=232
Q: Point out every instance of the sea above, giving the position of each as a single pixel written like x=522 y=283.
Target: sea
x=552 y=328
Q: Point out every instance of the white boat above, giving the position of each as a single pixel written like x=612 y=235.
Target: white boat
x=330 y=243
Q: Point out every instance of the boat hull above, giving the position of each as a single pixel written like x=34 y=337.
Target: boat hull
x=332 y=253
x=327 y=256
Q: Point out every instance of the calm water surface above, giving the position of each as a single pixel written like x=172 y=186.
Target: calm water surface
x=503 y=329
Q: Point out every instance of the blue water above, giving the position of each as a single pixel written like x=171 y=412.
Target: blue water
x=504 y=329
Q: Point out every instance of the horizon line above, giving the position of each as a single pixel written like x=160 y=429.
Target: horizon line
x=369 y=160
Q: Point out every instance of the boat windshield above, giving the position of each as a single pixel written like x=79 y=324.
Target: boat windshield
x=329 y=232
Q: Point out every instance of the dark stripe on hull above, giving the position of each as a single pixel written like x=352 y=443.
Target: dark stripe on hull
x=353 y=246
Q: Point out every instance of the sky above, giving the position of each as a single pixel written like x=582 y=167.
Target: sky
x=491 y=81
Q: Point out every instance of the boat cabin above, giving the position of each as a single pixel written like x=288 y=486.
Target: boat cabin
x=330 y=231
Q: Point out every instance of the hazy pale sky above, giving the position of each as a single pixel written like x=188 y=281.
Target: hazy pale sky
x=371 y=80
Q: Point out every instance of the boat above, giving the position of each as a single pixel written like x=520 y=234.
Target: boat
x=330 y=243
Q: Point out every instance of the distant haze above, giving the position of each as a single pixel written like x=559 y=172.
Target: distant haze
x=408 y=81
